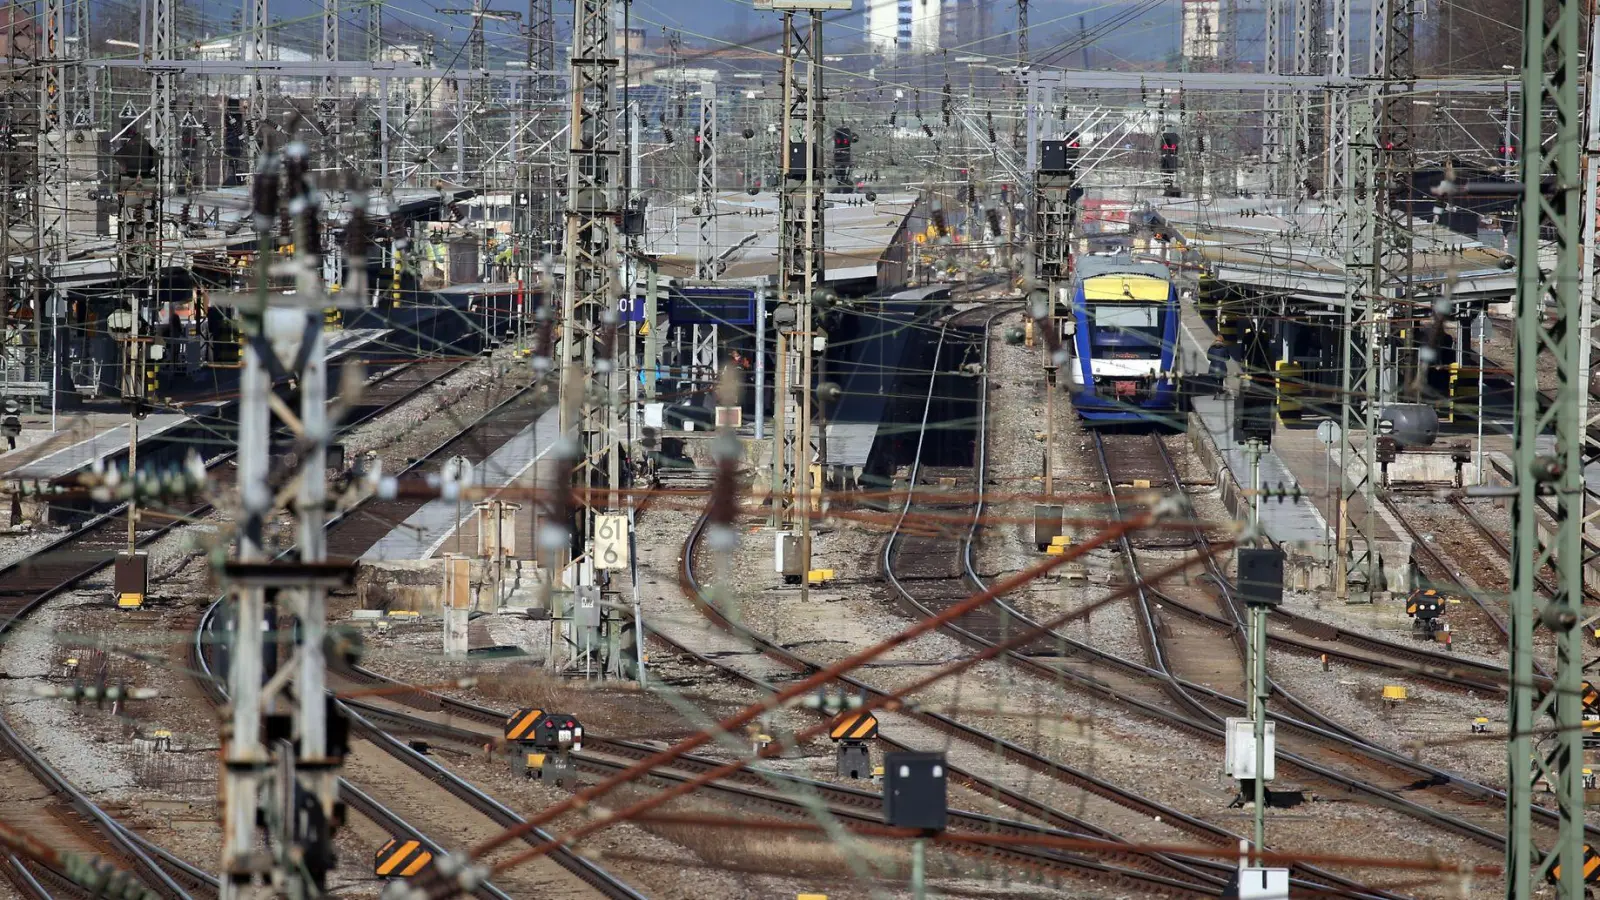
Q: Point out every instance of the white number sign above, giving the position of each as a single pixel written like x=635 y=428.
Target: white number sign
x=611 y=542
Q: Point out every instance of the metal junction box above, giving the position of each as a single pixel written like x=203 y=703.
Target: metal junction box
x=131 y=579
x=788 y=559
x=1239 y=750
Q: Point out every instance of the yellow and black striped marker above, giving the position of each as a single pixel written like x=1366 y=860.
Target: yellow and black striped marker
x=1591 y=867
x=519 y=726
x=1591 y=697
x=400 y=859
x=854 y=726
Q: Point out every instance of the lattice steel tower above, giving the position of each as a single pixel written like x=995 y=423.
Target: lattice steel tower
x=800 y=250
x=589 y=305
x=1553 y=318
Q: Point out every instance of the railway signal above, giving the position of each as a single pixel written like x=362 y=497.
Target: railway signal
x=851 y=731
x=915 y=791
x=1260 y=581
x=545 y=743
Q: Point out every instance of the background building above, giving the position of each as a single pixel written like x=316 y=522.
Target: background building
x=896 y=27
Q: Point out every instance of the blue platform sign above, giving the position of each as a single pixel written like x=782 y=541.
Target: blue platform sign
x=705 y=305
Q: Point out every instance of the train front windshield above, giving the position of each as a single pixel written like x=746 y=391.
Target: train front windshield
x=1122 y=330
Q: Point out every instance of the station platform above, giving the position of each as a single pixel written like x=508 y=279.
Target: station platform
x=426 y=532
x=48 y=456
x=1296 y=521
x=1296 y=459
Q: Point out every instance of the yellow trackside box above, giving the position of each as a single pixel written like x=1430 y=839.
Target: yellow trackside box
x=1394 y=693
x=820 y=576
x=130 y=601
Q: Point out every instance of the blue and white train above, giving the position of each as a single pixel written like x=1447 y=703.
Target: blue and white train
x=1124 y=333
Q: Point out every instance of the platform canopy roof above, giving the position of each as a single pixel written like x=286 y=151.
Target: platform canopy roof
x=746 y=227
x=1297 y=251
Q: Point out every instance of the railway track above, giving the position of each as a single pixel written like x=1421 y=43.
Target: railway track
x=470 y=725
x=203 y=663
x=1053 y=657
x=490 y=431
x=92 y=545
x=1316 y=746
x=1307 y=877
x=1130 y=683
x=58 y=568
x=1442 y=573
x=204 y=652
x=349 y=534
x=1590 y=547
x=1206 y=877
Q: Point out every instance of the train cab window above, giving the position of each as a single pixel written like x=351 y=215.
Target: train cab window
x=1127 y=331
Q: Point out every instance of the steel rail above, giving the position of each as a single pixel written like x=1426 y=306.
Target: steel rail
x=35 y=582
x=157 y=878
x=1197 y=697
x=1310 y=875
x=201 y=670
x=1053 y=673
x=843 y=802
x=18 y=873
x=580 y=867
x=690 y=586
x=1495 y=618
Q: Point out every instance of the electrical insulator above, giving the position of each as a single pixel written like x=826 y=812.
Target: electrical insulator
x=926 y=130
